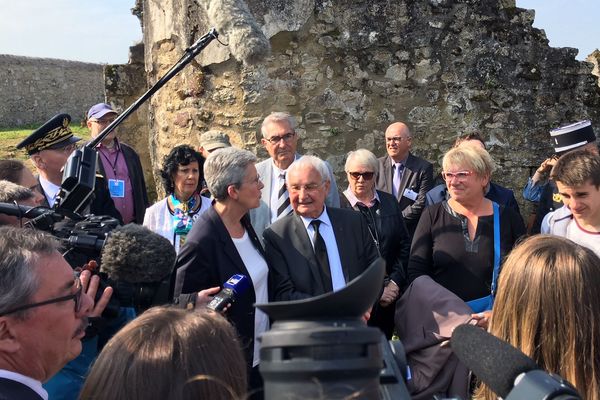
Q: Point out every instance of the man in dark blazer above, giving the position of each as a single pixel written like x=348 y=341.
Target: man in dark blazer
x=121 y=166
x=49 y=147
x=404 y=175
x=296 y=270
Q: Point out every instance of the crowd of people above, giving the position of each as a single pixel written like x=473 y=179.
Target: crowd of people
x=284 y=224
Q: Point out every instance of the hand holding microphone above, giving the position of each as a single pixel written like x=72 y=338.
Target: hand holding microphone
x=232 y=289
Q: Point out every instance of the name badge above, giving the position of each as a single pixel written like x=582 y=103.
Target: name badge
x=408 y=193
x=116 y=187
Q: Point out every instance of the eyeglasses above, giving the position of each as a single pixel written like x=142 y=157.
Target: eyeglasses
x=276 y=139
x=397 y=139
x=367 y=176
x=460 y=176
x=254 y=181
x=76 y=297
x=311 y=187
x=103 y=121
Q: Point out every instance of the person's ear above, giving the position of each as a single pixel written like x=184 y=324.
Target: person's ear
x=264 y=142
x=232 y=191
x=38 y=161
x=8 y=336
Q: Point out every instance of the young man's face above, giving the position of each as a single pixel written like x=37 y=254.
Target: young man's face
x=583 y=201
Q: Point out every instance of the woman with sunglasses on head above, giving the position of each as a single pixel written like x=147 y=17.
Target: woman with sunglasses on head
x=460 y=241
x=387 y=229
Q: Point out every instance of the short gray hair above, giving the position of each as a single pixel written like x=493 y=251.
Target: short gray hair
x=20 y=251
x=225 y=167
x=362 y=157
x=277 y=116
x=313 y=162
x=10 y=192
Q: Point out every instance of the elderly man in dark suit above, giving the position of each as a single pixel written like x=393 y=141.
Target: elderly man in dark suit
x=317 y=249
x=404 y=175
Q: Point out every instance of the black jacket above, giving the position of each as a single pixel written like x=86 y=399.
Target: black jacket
x=390 y=234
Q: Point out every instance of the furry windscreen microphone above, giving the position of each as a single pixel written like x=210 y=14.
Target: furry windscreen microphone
x=135 y=254
x=495 y=362
x=235 y=23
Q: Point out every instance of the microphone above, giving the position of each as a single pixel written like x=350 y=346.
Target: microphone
x=134 y=254
x=29 y=212
x=234 y=286
x=232 y=18
x=503 y=367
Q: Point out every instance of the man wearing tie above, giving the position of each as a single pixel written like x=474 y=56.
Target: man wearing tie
x=280 y=141
x=404 y=175
x=316 y=249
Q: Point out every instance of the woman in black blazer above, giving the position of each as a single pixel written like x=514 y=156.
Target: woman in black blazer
x=386 y=227
x=222 y=243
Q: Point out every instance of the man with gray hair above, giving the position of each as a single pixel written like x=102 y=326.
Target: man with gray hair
x=44 y=309
x=280 y=139
x=317 y=249
x=13 y=193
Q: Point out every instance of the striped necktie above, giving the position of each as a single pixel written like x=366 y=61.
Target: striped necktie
x=283 y=202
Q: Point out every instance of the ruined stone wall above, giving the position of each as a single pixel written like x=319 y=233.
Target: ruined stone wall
x=35 y=89
x=346 y=69
x=594 y=59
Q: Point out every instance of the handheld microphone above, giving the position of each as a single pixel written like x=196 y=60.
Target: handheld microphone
x=505 y=369
x=234 y=286
x=232 y=19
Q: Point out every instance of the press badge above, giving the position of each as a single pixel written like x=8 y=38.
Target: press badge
x=408 y=193
x=116 y=187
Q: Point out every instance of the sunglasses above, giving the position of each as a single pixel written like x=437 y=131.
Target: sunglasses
x=76 y=297
x=367 y=176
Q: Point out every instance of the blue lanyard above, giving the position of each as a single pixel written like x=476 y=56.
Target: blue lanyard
x=496 y=247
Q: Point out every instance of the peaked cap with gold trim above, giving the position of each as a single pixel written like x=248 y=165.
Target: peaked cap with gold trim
x=54 y=134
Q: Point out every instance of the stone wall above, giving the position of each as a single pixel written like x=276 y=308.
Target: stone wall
x=35 y=89
x=346 y=69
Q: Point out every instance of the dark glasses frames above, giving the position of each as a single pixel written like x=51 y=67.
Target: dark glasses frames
x=76 y=297
x=367 y=176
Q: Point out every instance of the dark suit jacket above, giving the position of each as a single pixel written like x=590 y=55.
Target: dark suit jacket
x=13 y=390
x=138 y=184
x=294 y=273
x=417 y=176
x=209 y=258
x=101 y=204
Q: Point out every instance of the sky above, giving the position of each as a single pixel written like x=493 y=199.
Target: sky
x=101 y=31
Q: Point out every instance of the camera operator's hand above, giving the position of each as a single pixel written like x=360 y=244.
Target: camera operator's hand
x=90 y=287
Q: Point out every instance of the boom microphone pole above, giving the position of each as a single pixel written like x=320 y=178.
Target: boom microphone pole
x=80 y=170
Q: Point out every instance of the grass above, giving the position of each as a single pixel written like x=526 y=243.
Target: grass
x=10 y=137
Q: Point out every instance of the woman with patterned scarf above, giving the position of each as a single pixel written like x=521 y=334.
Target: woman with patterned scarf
x=173 y=216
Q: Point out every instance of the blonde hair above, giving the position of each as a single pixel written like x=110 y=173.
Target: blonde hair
x=548 y=306
x=478 y=159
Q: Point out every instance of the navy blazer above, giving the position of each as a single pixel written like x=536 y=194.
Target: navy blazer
x=417 y=176
x=209 y=258
x=11 y=390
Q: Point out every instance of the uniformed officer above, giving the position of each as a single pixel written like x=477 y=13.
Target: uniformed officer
x=49 y=147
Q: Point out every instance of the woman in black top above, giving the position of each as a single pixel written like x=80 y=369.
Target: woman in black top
x=454 y=240
x=387 y=229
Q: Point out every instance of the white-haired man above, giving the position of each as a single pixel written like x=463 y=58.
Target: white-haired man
x=280 y=140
